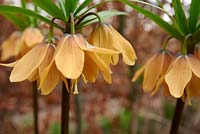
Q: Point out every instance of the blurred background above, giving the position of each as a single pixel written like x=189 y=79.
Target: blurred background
x=100 y=108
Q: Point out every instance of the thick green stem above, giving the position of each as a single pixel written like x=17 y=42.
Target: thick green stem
x=35 y=107
x=65 y=109
x=177 y=116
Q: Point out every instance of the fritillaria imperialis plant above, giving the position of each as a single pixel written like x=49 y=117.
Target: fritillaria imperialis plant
x=178 y=74
x=66 y=55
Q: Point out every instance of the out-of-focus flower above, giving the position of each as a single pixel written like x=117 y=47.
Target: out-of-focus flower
x=183 y=76
x=153 y=70
x=30 y=37
x=8 y=46
x=197 y=52
x=105 y=36
x=20 y=43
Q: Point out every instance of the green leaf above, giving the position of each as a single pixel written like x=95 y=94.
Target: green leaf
x=82 y=6
x=194 y=14
x=51 y=8
x=155 y=18
x=13 y=9
x=103 y=15
x=16 y=20
x=180 y=16
x=70 y=6
x=62 y=6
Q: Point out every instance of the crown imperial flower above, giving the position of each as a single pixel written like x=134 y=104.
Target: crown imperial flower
x=155 y=67
x=105 y=36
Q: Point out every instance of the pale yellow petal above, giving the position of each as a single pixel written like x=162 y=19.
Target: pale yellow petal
x=8 y=46
x=166 y=89
x=194 y=64
x=32 y=36
x=159 y=82
x=101 y=37
x=70 y=58
x=21 y=48
x=83 y=44
x=102 y=66
x=90 y=70
x=34 y=76
x=9 y=64
x=121 y=44
x=137 y=74
x=114 y=59
x=65 y=82
x=194 y=86
x=51 y=80
x=178 y=77
x=28 y=63
x=152 y=72
x=167 y=61
x=48 y=59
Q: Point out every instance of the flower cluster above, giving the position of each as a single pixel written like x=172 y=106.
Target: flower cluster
x=72 y=57
x=179 y=75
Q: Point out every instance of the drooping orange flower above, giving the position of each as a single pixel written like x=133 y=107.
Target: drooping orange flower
x=183 y=76
x=75 y=56
x=49 y=64
x=153 y=70
x=32 y=65
x=30 y=37
x=8 y=46
x=20 y=43
x=105 y=36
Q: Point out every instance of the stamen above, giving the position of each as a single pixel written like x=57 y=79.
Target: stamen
x=76 y=89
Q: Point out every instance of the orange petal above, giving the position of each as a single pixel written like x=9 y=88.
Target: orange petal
x=159 y=82
x=152 y=71
x=167 y=60
x=194 y=64
x=90 y=70
x=166 y=90
x=194 y=87
x=137 y=74
x=34 y=76
x=124 y=47
x=28 y=63
x=83 y=44
x=178 y=77
x=9 y=64
x=51 y=80
x=70 y=58
x=32 y=36
x=114 y=59
x=8 y=46
x=102 y=66
x=48 y=59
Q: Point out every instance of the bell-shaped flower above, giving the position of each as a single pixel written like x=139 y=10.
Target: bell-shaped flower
x=9 y=45
x=105 y=36
x=183 y=76
x=19 y=43
x=30 y=37
x=32 y=66
x=153 y=70
x=75 y=57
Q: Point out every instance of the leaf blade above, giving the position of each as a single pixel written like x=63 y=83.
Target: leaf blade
x=82 y=6
x=194 y=13
x=50 y=7
x=26 y=12
x=180 y=16
x=155 y=18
